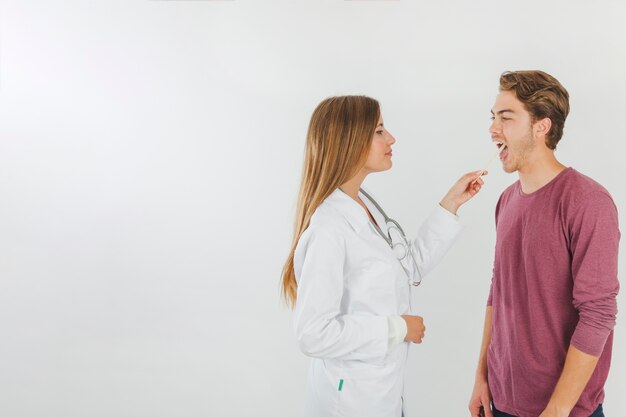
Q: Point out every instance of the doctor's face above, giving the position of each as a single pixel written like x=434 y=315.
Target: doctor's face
x=379 y=156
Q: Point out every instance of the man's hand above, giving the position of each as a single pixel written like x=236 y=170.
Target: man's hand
x=553 y=412
x=578 y=368
x=414 y=329
x=480 y=402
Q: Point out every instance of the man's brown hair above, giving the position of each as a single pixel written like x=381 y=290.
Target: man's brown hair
x=543 y=96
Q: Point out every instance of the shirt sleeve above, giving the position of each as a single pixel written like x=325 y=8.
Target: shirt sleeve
x=594 y=240
x=321 y=329
x=490 y=296
x=435 y=237
x=397 y=331
x=493 y=273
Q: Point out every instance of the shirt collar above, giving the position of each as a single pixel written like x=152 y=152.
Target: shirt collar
x=350 y=209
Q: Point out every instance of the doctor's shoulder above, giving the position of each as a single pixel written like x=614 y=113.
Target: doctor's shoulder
x=327 y=227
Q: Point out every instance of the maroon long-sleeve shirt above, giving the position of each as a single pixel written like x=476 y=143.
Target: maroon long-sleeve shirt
x=554 y=284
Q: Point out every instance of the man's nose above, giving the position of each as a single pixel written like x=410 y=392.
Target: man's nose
x=494 y=128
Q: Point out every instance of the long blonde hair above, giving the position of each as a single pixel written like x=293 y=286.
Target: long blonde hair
x=338 y=141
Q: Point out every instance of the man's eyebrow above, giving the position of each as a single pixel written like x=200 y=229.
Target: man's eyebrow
x=503 y=111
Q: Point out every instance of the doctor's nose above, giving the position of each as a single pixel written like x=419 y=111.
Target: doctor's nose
x=391 y=140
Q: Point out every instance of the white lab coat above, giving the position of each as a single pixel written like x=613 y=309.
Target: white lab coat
x=349 y=282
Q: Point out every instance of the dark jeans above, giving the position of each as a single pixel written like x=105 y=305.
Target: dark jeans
x=496 y=413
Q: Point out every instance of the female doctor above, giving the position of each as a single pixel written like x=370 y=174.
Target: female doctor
x=351 y=268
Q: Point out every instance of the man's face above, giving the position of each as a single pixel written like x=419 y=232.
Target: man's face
x=512 y=127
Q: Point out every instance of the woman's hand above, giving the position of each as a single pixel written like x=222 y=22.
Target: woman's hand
x=414 y=329
x=464 y=189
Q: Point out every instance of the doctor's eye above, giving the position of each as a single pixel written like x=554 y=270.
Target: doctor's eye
x=380 y=132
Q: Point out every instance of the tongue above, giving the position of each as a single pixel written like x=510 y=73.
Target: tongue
x=504 y=153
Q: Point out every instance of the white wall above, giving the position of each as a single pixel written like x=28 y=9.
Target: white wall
x=150 y=153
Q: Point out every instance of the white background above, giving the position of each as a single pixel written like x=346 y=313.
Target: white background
x=150 y=156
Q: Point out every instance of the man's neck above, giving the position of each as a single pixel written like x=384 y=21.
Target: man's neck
x=539 y=172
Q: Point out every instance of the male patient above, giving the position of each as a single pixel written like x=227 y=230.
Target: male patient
x=548 y=332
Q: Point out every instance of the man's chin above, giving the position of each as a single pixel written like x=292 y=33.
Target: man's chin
x=509 y=169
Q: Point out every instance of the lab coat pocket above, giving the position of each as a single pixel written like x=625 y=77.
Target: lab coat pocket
x=322 y=398
x=364 y=391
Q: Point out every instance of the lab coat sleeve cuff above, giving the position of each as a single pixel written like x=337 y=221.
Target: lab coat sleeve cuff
x=445 y=222
x=397 y=331
x=453 y=216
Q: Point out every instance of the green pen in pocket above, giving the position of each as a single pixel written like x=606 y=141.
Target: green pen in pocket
x=340 y=384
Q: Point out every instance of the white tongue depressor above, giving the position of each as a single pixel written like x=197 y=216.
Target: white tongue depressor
x=482 y=172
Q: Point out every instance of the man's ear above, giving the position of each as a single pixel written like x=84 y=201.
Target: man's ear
x=542 y=126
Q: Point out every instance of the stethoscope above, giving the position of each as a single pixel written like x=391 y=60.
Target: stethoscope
x=400 y=249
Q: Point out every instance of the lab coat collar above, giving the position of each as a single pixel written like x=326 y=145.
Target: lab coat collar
x=350 y=209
